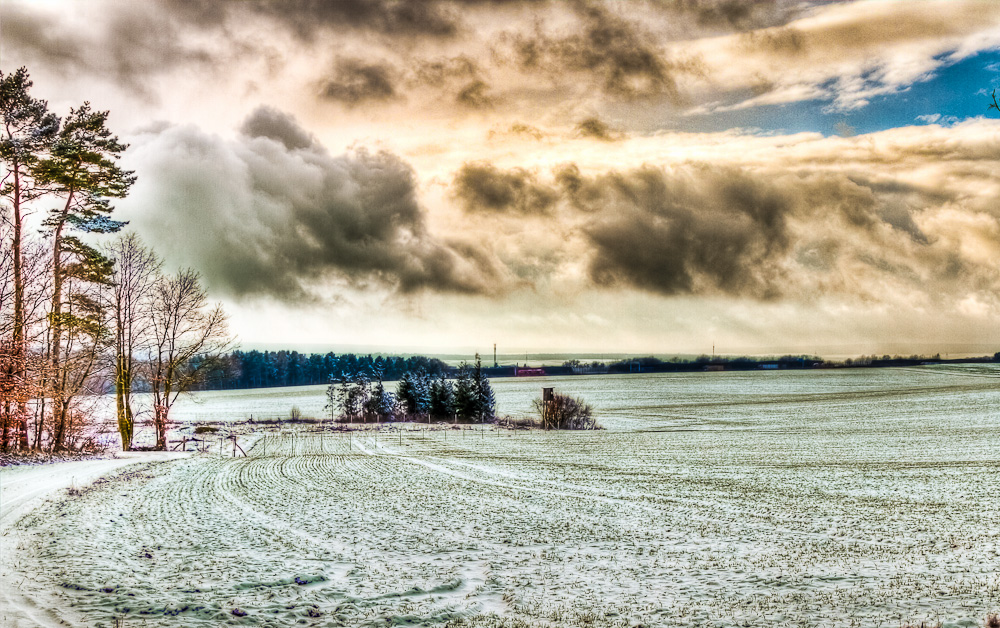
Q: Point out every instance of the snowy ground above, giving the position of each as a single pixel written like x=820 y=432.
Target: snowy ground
x=683 y=527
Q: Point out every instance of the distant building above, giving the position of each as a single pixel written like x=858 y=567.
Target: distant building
x=524 y=371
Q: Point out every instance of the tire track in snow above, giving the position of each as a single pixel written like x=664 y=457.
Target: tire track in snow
x=658 y=505
x=23 y=489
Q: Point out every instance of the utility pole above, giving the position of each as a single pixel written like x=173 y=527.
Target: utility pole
x=495 y=355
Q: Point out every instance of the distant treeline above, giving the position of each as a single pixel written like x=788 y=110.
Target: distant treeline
x=746 y=363
x=266 y=369
x=704 y=362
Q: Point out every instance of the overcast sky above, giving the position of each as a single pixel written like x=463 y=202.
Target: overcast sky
x=639 y=176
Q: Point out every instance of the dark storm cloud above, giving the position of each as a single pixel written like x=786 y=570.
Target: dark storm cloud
x=131 y=45
x=719 y=230
x=40 y=38
x=276 y=125
x=476 y=95
x=735 y=14
x=596 y=128
x=626 y=61
x=703 y=229
x=898 y=203
x=267 y=215
x=305 y=18
x=443 y=18
x=356 y=81
x=482 y=187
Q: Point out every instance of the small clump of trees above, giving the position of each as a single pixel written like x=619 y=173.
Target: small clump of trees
x=362 y=397
x=562 y=412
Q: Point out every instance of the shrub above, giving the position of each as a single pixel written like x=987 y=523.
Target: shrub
x=295 y=414
x=563 y=412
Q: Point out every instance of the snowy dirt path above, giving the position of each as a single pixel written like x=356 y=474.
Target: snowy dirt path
x=23 y=489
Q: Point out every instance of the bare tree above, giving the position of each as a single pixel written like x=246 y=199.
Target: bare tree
x=128 y=302
x=82 y=334
x=189 y=337
x=20 y=370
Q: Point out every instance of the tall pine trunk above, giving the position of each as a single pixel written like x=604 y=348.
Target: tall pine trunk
x=19 y=349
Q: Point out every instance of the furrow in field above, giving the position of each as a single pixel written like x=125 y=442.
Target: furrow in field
x=608 y=529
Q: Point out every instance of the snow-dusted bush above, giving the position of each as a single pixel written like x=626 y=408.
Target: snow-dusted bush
x=563 y=412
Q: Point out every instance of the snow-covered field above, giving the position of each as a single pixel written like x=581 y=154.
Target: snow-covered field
x=834 y=499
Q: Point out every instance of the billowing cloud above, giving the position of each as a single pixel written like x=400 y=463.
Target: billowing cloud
x=131 y=45
x=596 y=128
x=272 y=213
x=276 y=125
x=492 y=170
x=904 y=216
x=306 y=17
x=482 y=187
x=698 y=230
x=625 y=60
x=707 y=230
x=700 y=56
x=356 y=81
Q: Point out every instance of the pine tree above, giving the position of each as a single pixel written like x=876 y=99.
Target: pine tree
x=413 y=393
x=442 y=399
x=485 y=402
x=27 y=131
x=466 y=397
x=406 y=394
x=82 y=170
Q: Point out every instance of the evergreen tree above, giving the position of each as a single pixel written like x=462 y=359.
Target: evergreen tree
x=82 y=170
x=406 y=394
x=27 y=131
x=442 y=398
x=413 y=392
x=485 y=402
x=466 y=398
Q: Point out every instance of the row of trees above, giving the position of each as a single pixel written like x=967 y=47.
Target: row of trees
x=265 y=369
x=74 y=313
x=362 y=397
